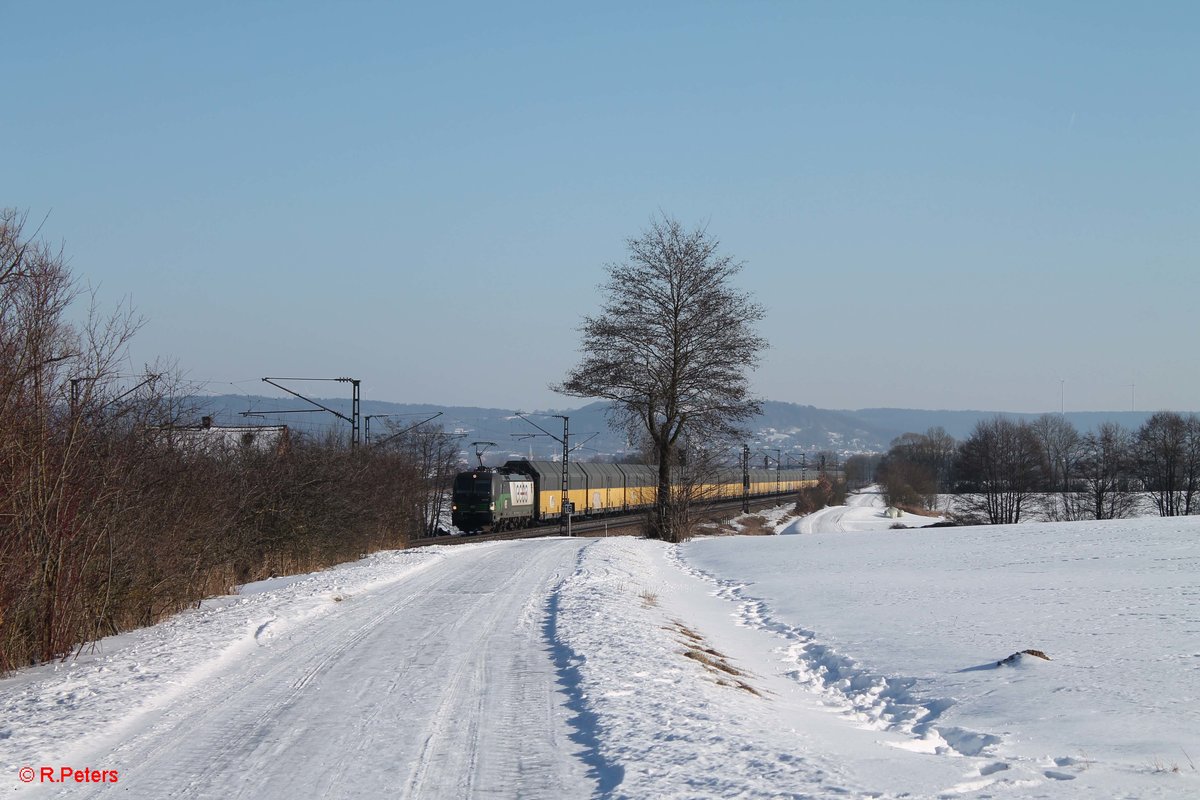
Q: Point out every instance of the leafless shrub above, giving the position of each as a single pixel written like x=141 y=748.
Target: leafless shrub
x=824 y=493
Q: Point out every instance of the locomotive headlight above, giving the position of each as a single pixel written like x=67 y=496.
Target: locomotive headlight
x=492 y=506
x=454 y=507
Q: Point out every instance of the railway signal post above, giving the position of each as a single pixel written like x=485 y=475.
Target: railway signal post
x=745 y=479
x=565 y=522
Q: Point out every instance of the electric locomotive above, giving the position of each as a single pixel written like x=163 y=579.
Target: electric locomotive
x=492 y=499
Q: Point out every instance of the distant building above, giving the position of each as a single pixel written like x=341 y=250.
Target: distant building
x=213 y=440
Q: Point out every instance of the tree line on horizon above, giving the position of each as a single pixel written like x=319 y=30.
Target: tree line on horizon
x=1007 y=468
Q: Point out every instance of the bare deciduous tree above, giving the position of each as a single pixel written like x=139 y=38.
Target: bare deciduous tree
x=671 y=347
x=58 y=470
x=917 y=467
x=1104 y=469
x=999 y=468
x=1168 y=458
x=434 y=457
x=1060 y=443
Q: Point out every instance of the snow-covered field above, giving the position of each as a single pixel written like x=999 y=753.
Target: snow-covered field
x=846 y=661
x=903 y=630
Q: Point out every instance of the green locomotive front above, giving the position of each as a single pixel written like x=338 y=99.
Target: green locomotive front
x=492 y=500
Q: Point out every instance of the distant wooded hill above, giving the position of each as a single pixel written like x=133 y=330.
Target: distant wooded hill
x=788 y=427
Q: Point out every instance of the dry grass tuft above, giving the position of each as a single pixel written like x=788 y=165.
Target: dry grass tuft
x=748 y=525
x=1158 y=766
x=715 y=663
x=755 y=525
x=649 y=598
x=713 y=660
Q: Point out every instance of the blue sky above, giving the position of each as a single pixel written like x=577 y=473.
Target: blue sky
x=941 y=205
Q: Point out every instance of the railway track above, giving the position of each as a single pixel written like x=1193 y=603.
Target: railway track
x=612 y=525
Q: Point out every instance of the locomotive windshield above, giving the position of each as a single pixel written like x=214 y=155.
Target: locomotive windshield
x=468 y=483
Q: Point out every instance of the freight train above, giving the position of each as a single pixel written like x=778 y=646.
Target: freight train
x=524 y=493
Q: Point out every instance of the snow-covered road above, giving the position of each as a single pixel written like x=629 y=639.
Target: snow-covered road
x=440 y=685
x=864 y=511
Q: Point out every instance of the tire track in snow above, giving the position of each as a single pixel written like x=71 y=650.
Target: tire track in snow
x=450 y=741
x=247 y=731
x=827 y=519
x=132 y=682
x=440 y=686
x=491 y=691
